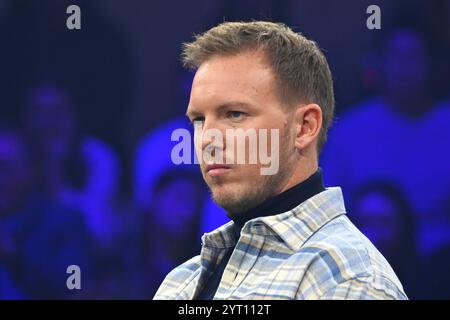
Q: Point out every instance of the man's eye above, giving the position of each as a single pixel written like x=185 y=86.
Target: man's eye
x=197 y=120
x=236 y=115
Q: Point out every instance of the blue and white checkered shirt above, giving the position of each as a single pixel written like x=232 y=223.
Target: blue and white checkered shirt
x=310 y=252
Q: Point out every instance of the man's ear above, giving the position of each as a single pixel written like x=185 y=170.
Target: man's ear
x=308 y=122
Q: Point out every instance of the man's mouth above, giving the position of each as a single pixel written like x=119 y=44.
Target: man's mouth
x=215 y=170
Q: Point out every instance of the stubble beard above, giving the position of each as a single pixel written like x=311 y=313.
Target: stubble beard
x=256 y=192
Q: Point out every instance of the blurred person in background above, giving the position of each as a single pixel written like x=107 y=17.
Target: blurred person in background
x=74 y=169
x=15 y=177
x=39 y=239
x=384 y=215
x=166 y=233
x=174 y=225
x=80 y=172
x=401 y=135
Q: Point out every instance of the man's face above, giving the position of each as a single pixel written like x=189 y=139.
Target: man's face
x=239 y=92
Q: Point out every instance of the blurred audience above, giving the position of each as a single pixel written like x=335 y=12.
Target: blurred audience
x=38 y=238
x=75 y=170
x=166 y=234
x=402 y=135
x=384 y=215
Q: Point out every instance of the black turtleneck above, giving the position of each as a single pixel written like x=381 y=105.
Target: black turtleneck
x=283 y=202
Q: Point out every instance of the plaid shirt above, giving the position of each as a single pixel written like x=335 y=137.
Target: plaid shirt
x=310 y=252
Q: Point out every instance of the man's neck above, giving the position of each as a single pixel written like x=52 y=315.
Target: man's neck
x=300 y=175
x=283 y=202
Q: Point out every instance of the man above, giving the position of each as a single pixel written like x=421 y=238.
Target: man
x=289 y=237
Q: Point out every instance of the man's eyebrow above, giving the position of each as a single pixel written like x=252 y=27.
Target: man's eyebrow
x=220 y=107
x=231 y=104
x=192 y=113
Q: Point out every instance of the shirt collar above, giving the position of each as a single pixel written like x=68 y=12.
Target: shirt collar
x=293 y=227
x=283 y=202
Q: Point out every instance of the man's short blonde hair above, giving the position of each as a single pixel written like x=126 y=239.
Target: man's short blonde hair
x=300 y=67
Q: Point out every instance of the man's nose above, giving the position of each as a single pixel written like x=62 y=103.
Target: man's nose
x=212 y=135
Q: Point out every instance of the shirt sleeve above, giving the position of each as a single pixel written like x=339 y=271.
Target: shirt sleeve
x=364 y=289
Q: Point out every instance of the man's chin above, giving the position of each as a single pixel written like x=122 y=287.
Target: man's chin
x=220 y=194
x=235 y=200
x=225 y=197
